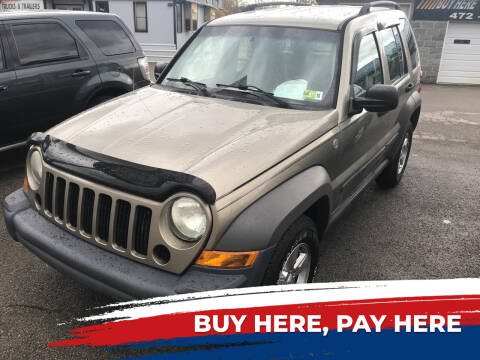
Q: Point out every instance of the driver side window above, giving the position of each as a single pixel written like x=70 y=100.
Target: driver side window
x=369 y=67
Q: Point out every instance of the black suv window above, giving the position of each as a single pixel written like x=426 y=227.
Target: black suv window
x=369 y=67
x=394 y=53
x=109 y=37
x=41 y=43
x=412 y=47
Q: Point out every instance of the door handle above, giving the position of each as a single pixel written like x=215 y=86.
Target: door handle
x=81 y=73
x=409 y=87
x=3 y=88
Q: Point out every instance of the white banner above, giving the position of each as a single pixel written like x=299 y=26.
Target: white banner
x=21 y=5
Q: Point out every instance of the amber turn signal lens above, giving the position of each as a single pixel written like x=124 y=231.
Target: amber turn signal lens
x=25 y=184
x=224 y=259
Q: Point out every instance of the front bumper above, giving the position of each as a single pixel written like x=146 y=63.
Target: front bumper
x=109 y=273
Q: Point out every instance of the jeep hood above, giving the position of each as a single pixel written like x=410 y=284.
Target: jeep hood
x=225 y=143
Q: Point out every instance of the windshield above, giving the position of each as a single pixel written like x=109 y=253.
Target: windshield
x=295 y=65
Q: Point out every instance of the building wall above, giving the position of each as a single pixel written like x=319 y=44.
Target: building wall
x=430 y=36
x=159 y=18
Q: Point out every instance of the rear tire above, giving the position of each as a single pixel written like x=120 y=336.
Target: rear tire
x=99 y=100
x=298 y=246
x=393 y=173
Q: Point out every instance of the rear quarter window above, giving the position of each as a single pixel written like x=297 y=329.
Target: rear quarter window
x=394 y=53
x=412 y=47
x=43 y=43
x=108 y=35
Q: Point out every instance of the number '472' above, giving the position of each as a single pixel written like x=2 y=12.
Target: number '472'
x=461 y=16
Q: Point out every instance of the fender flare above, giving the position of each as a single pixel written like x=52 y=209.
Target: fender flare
x=264 y=222
x=413 y=103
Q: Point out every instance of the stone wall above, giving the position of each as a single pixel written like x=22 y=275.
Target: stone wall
x=430 y=36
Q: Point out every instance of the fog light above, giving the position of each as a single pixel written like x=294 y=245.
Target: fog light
x=224 y=259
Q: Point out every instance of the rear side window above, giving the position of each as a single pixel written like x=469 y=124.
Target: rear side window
x=369 y=67
x=109 y=36
x=412 y=47
x=43 y=43
x=394 y=53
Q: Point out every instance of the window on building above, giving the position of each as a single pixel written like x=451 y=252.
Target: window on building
x=369 y=67
x=412 y=47
x=188 y=16
x=394 y=53
x=101 y=6
x=178 y=20
x=191 y=16
x=194 y=17
x=140 y=16
x=206 y=14
x=33 y=49
x=109 y=36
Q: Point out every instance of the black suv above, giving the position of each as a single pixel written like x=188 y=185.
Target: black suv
x=54 y=64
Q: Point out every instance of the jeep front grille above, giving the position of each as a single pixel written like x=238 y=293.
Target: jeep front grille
x=103 y=221
x=49 y=192
x=121 y=223
x=91 y=213
x=141 y=227
x=60 y=198
x=72 y=205
x=117 y=221
x=88 y=202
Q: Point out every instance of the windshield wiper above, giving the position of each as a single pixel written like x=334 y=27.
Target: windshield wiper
x=257 y=92
x=200 y=87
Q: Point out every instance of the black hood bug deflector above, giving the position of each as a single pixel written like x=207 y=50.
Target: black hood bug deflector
x=145 y=181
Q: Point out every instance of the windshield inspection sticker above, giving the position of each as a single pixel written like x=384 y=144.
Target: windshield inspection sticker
x=313 y=95
x=292 y=89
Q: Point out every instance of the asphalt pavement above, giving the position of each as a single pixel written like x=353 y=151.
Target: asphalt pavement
x=426 y=228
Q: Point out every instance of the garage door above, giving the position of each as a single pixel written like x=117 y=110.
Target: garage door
x=460 y=63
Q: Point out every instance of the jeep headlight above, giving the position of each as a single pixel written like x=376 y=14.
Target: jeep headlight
x=188 y=219
x=34 y=169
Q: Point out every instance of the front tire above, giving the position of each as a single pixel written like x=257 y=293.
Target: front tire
x=393 y=173
x=295 y=258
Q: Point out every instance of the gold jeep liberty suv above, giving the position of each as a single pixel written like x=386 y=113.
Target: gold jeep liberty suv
x=227 y=171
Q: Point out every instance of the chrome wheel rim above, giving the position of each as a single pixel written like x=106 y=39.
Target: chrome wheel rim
x=403 y=155
x=296 y=267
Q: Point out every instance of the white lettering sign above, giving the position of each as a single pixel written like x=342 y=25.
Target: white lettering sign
x=20 y=5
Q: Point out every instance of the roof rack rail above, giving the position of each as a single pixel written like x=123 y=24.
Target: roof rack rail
x=367 y=7
x=272 y=3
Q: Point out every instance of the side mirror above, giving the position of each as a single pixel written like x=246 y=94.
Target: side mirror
x=379 y=98
x=159 y=67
